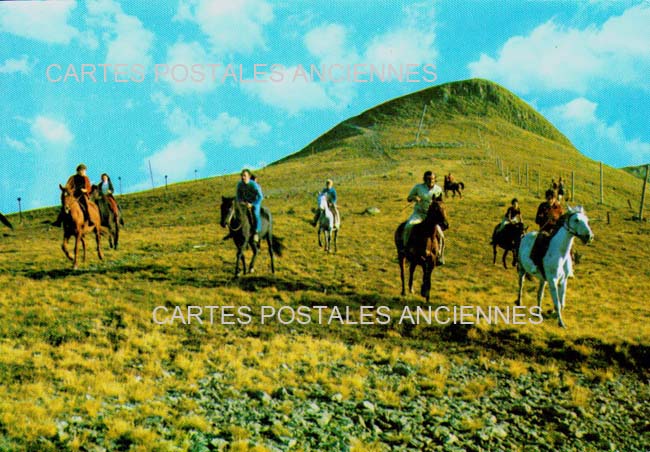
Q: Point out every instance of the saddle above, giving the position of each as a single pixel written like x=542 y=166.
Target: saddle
x=540 y=247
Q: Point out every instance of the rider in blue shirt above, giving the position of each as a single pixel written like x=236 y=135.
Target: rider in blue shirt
x=331 y=198
x=250 y=193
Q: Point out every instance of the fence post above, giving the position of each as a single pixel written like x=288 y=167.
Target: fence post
x=526 y=175
x=601 y=182
x=417 y=136
x=573 y=185
x=645 y=182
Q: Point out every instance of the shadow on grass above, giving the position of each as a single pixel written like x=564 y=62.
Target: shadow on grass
x=158 y=272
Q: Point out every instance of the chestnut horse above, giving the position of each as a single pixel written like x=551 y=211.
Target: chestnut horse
x=423 y=247
x=74 y=224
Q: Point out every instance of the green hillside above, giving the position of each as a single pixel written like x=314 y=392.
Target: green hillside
x=83 y=366
x=469 y=98
x=637 y=171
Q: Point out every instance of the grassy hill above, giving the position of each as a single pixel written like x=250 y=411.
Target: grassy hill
x=638 y=171
x=84 y=367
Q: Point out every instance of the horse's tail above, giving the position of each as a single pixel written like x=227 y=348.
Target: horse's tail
x=278 y=245
x=461 y=185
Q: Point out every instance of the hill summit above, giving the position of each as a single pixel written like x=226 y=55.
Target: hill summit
x=476 y=98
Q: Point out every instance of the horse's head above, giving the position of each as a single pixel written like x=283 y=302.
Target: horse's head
x=437 y=213
x=67 y=198
x=578 y=224
x=227 y=210
x=94 y=191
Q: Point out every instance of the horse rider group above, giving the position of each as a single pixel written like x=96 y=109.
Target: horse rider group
x=81 y=188
x=547 y=218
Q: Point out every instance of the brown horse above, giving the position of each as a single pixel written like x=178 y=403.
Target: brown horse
x=74 y=224
x=423 y=246
x=454 y=187
x=110 y=215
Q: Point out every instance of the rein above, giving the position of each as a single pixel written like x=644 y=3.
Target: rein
x=565 y=225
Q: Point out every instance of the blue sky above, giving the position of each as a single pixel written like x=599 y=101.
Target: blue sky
x=585 y=65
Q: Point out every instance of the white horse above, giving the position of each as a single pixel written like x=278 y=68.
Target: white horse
x=328 y=223
x=557 y=261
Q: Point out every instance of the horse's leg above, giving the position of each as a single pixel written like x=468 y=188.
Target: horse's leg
x=76 y=250
x=540 y=293
x=83 y=248
x=117 y=233
x=494 y=254
x=336 y=233
x=240 y=258
x=412 y=266
x=251 y=265
x=522 y=276
x=562 y=291
x=98 y=236
x=427 y=269
x=505 y=253
x=553 y=288
x=400 y=260
x=328 y=239
x=269 y=243
x=319 y=242
x=64 y=245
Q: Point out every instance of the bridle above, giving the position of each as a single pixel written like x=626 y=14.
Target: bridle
x=229 y=218
x=567 y=227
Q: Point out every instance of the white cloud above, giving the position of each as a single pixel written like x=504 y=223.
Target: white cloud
x=126 y=38
x=185 y=153
x=187 y=80
x=553 y=57
x=595 y=137
x=328 y=42
x=48 y=131
x=291 y=94
x=411 y=42
x=16 y=145
x=233 y=26
x=13 y=65
x=44 y=21
x=179 y=158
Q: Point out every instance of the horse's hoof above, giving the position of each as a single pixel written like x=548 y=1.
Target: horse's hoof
x=252 y=270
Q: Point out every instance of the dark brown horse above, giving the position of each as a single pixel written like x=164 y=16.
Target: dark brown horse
x=509 y=239
x=239 y=220
x=110 y=219
x=74 y=224
x=454 y=187
x=423 y=246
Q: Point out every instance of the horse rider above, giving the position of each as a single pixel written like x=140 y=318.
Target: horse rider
x=512 y=216
x=547 y=217
x=80 y=186
x=105 y=187
x=330 y=192
x=250 y=193
x=423 y=194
